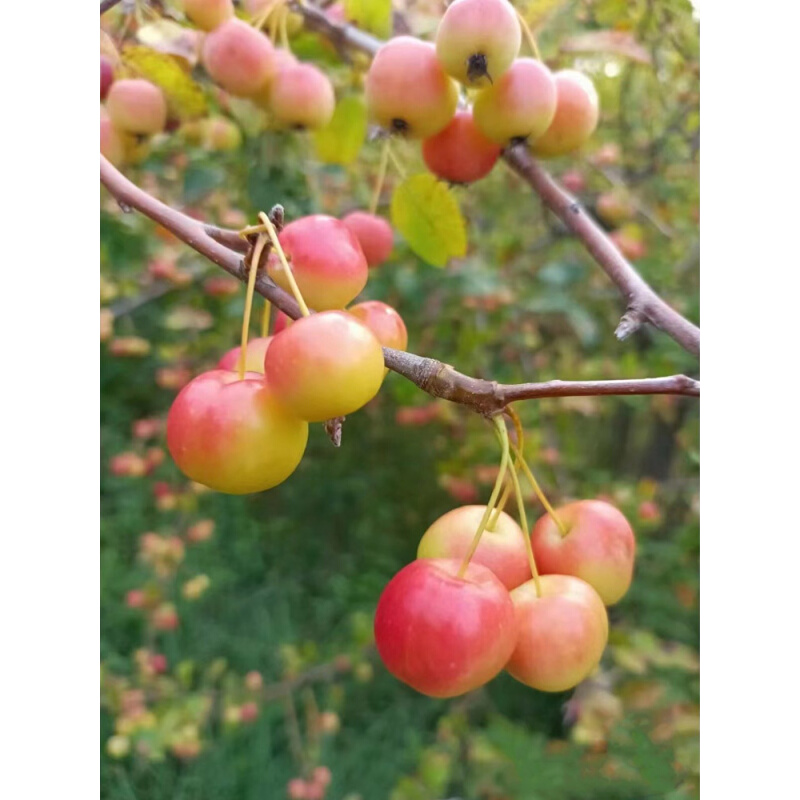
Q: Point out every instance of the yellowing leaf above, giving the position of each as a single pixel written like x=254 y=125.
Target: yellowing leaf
x=341 y=140
x=184 y=97
x=426 y=213
x=619 y=43
x=374 y=16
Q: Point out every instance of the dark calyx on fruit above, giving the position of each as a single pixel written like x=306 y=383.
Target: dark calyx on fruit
x=477 y=67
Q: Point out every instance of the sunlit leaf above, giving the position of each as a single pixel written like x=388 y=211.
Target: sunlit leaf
x=426 y=213
x=185 y=98
x=374 y=16
x=341 y=140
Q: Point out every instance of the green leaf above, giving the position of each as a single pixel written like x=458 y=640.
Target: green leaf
x=374 y=16
x=185 y=98
x=426 y=213
x=341 y=140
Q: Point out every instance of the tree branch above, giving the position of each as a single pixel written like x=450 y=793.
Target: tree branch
x=643 y=304
x=106 y=5
x=432 y=376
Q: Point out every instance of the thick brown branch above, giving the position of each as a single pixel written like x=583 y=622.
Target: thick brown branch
x=643 y=304
x=433 y=377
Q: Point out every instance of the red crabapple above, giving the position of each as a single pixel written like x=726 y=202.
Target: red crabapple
x=208 y=14
x=282 y=322
x=221 y=285
x=577 y=113
x=460 y=153
x=574 y=181
x=560 y=635
x=321 y=775
x=599 y=547
x=326 y=259
x=384 y=322
x=374 y=234
x=254 y=360
x=234 y=435
x=502 y=550
x=137 y=106
x=477 y=40
x=407 y=90
x=239 y=58
x=520 y=105
x=301 y=97
x=106 y=76
x=248 y=711
x=325 y=365
x=443 y=635
x=296 y=789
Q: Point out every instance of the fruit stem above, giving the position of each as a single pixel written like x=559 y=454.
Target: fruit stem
x=529 y=36
x=526 y=534
x=259 y=20
x=248 y=303
x=514 y=417
x=562 y=529
x=284 y=35
x=282 y=256
x=376 y=194
x=502 y=435
x=265 y=315
x=396 y=164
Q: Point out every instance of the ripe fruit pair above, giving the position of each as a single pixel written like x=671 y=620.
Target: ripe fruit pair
x=242 y=435
x=599 y=546
x=243 y=61
x=446 y=635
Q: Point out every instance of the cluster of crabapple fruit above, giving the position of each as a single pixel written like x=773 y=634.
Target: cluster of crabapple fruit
x=449 y=622
x=240 y=59
x=412 y=90
x=243 y=426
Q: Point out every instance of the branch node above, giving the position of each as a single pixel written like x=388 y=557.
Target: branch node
x=631 y=321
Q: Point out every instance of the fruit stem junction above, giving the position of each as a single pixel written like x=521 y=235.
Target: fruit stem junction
x=502 y=435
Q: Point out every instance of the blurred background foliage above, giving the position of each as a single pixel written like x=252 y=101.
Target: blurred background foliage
x=236 y=631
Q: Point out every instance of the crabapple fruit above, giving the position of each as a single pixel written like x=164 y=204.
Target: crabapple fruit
x=283 y=60
x=208 y=14
x=384 y=322
x=599 y=547
x=254 y=357
x=325 y=365
x=460 y=153
x=519 y=105
x=301 y=97
x=477 y=40
x=561 y=634
x=407 y=90
x=443 y=635
x=615 y=207
x=326 y=259
x=577 y=113
x=239 y=58
x=234 y=435
x=137 y=106
x=502 y=550
x=374 y=234
x=106 y=76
